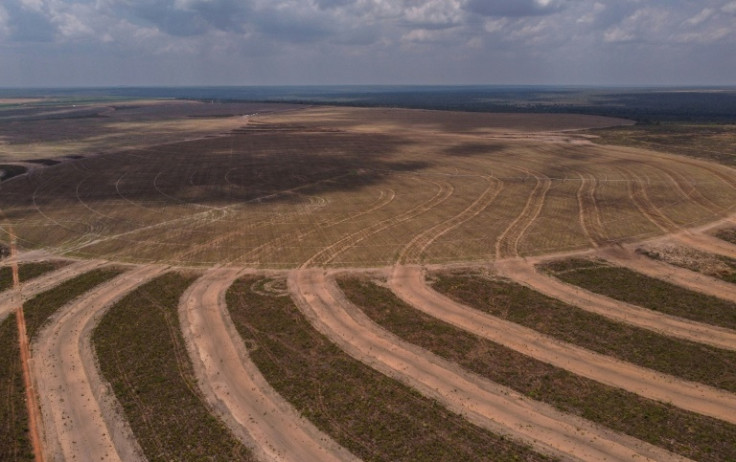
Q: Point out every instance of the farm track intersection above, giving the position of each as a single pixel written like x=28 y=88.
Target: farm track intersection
x=380 y=187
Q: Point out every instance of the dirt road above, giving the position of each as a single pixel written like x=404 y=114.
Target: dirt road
x=484 y=403
x=80 y=415
x=409 y=284
x=232 y=384
x=10 y=299
x=524 y=272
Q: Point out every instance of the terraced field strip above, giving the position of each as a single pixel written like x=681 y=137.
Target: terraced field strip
x=484 y=403
x=676 y=275
x=636 y=288
x=233 y=386
x=686 y=433
x=526 y=274
x=79 y=416
x=409 y=284
x=413 y=251
x=143 y=356
x=324 y=256
x=507 y=244
x=26 y=271
x=375 y=417
x=9 y=300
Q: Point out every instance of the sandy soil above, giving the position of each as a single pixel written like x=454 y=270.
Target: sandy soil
x=409 y=284
x=81 y=416
x=10 y=299
x=484 y=403
x=235 y=388
x=524 y=272
x=674 y=274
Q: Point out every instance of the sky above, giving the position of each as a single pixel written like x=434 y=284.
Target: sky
x=59 y=43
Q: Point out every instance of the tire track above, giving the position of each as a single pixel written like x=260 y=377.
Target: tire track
x=235 y=388
x=82 y=419
x=507 y=244
x=589 y=214
x=482 y=402
x=255 y=254
x=408 y=283
x=525 y=273
x=413 y=251
x=640 y=198
x=324 y=256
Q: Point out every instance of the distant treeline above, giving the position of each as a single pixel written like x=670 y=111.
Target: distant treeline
x=641 y=104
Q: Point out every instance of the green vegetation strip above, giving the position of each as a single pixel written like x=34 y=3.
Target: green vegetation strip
x=375 y=417
x=15 y=443
x=27 y=271
x=638 y=289
x=728 y=235
x=679 y=431
x=142 y=354
x=40 y=308
x=524 y=306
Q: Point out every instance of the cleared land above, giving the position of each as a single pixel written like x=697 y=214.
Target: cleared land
x=363 y=187
x=305 y=188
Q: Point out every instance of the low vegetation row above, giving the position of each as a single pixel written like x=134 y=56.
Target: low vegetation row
x=41 y=307
x=142 y=355
x=683 y=432
x=524 y=306
x=15 y=444
x=635 y=288
x=27 y=271
x=728 y=235
x=375 y=417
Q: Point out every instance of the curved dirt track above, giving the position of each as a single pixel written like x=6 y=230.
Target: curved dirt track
x=525 y=273
x=80 y=415
x=11 y=298
x=409 y=284
x=674 y=274
x=235 y=388
x=412 y=252
x=326 y=255
x=484 y=403
x=507 y=244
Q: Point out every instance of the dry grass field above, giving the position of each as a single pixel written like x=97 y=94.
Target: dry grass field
x=360 y=187
x=342 y=282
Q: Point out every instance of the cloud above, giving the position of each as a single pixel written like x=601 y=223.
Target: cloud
x=280 y=40
x=28 y=22
x=515 y=8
